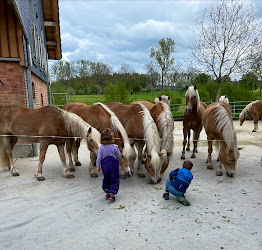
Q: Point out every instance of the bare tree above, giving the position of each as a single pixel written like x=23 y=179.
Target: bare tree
x=228 y=32
x=153 y=76
x=126 y=69
x=256 y=64
x=162 y=54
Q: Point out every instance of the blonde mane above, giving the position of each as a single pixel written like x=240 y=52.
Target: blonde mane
x=191 y=91
x=166 y=127
x=151 y=136
x=117 y=126
x=245 y=111
x=224 y=122
x=78 y=127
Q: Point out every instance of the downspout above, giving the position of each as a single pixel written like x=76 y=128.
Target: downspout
x=29 y=69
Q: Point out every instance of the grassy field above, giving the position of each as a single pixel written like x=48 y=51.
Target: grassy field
x=91 y=99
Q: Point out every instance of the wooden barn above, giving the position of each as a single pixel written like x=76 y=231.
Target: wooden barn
x=29 y=36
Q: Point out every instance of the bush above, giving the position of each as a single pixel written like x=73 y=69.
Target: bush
x=116 y=92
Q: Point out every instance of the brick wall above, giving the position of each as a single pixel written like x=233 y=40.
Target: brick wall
x=40 y=92
x=14 y=89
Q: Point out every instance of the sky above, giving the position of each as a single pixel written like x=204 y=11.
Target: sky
x=123 y=32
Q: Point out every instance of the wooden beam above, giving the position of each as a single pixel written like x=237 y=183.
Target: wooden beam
x=52 y=43
x=49 y=24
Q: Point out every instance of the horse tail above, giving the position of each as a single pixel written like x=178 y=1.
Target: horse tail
x=4 y=160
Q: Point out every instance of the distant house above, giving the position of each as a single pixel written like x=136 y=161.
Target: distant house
x=29 y=36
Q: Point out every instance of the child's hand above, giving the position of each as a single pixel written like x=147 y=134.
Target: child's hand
x=98 y=169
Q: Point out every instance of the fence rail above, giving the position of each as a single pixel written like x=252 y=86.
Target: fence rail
x=237 y=107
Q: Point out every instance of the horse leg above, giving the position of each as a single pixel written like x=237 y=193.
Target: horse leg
x=219 y=169
x=66 y=173
x=7 y=144
x=188 y=140
x=76 y=145
x=42 y=153
x=255 y=118
x=144 y=156
x=210 y=150
x=185 y=131
x=92 y=165
x=140 y=146
x=195 y=141
x=69 y=153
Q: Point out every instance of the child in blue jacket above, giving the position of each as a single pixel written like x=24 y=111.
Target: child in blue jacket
x=178 y=182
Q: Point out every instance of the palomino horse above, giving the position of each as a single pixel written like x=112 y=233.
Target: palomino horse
x=224 y=98
x=141 y=127
x=192 y=119
x=163 y=98
x=219 y=126
x=46 y=125
x=99 y=115
x=165 y=124
x=255 y=110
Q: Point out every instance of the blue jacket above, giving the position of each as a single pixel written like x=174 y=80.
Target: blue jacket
x=181 y=178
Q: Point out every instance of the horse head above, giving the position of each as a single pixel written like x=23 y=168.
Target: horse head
x=152 y=165
x=192 y=99
x=93 y=140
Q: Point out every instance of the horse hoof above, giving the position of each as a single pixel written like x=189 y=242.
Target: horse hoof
x=15 y=174
x=182 y=157
x=123 y=176
x=209 y=166
x=94 y=175
x=72 y=169
x=40 y=178
x=254 y=130
x=70 y=176
x=141 y=175
x=196 y=151
x=193 y=156
x=218 y=173
x=188 y=149
x=78 y=163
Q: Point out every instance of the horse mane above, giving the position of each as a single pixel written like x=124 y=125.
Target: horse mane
x=117 y=126
x=192 y=91
x=77 y=126
x=224 y=121
x=151 y=135
x=166 y=127
x=246 y=110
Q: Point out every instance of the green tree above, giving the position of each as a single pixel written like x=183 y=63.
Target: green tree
x=116 y=92
x=201 y=79
x=249 y=81
x=162 y=54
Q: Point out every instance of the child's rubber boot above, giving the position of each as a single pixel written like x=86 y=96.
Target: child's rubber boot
x=112 y=198
x=107 y=196
x=183 y=200
x=166 y=196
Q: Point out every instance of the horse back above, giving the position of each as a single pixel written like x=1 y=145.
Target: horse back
x=256 y=108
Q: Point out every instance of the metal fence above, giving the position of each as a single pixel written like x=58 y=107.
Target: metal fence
x=237 y=107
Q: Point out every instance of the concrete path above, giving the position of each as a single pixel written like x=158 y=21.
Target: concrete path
x=64 y=213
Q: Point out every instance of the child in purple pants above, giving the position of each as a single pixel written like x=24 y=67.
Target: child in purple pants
x=107 y=159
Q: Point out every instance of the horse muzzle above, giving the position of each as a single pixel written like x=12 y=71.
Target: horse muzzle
x=231 y=174
x=188 y=111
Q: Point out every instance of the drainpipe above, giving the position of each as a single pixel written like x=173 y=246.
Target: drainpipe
x=29 y=69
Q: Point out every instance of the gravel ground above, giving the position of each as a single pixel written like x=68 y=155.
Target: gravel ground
x=64 y=213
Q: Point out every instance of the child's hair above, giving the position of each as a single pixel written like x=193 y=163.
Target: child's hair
x=188 y=165
x=107 y=137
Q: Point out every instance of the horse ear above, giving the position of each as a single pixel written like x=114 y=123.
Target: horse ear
x=225 y=96
x=98 y=128
x=89 y=130
x=160 y=98
x=195 y=87
x=169 y=98
x=186 y=87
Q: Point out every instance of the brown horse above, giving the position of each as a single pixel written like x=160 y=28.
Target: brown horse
x=219 y=126
x=165 y=124
x=255 y=110
x=192 y=119
x=141 y=127
x=46 y=125
x=99 y=115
